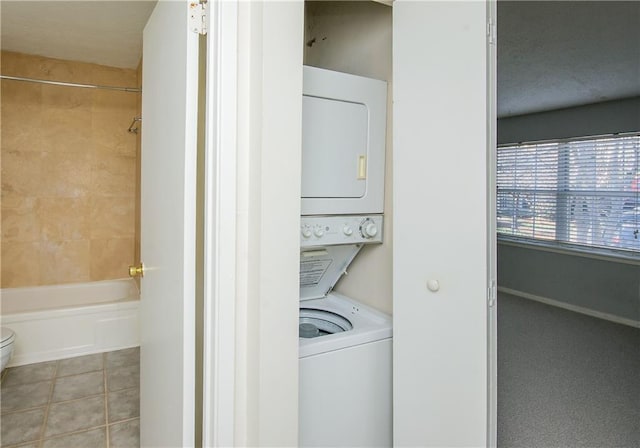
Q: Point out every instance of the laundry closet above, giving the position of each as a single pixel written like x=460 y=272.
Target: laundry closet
x=355 y=38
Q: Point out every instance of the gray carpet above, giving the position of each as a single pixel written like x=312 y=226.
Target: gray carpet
x=565 y=379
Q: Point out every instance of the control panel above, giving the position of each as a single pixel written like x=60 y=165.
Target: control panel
x=330 y=230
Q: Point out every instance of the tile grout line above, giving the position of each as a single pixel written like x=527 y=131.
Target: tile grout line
x=40 y=442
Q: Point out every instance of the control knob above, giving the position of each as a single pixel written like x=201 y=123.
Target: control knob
x=347 y=230
x=318 y=231
x=306 y=231
x=368 y=228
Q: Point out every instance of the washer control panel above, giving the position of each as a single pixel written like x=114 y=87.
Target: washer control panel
x=327 y=230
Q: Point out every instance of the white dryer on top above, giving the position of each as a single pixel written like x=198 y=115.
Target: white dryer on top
x=343 y=143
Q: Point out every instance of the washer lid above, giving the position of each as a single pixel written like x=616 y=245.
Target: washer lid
x=7 y=336
x=321 y=268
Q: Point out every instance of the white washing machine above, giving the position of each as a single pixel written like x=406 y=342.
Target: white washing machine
x=345 y=396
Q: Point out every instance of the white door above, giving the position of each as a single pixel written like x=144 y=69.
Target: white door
x=167 y=330
x=443 y=234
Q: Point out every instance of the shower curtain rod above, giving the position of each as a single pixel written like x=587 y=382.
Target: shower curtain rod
x=70 y=84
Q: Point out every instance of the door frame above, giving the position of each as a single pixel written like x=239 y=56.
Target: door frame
x=252 y=210
x=219 y=326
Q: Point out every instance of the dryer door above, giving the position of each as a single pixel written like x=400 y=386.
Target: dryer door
x=343 y=143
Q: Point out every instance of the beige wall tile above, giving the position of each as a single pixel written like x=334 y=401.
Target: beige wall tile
x=110 y=258
x=64 y=262
x=18 y=64
x=113 y=175
x=112 y=217
x=109 y=131
x=66 y=71
x=66 y=174
x=66 y=130
x=22 y=173
x=21 y=223
x=64 y=219
x=21 y=127
x=20 y=264
x=69 y=172
x=62 y=97
x=20 y=92
x=114 y=101
x=113 y=76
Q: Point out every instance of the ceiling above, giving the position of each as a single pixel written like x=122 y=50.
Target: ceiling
x=102 y=32
x=554 y=55
x=551 y=54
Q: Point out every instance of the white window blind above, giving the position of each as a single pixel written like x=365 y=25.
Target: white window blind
x=583 y=192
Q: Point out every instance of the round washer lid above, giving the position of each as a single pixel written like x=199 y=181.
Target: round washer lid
x=7 y=336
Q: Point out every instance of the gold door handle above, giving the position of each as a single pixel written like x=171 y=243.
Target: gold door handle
x=136 y=271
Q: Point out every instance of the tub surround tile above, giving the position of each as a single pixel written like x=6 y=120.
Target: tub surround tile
x=64 y=219
x=66 y=98
x=20 y=64
x=64 y=262
x=25 y=396
x=21 y=224
x=125 y=434
x=67 y=174
x=110 y=258
x=21 y=93
x=20 y=265
x=75 y=415
x=124 y=404
x=110 y=133
x=95 y=438
x=80 y=364
x=21 y=427
x=21 y=127
x=22 y=172
x=66 y=130
x=78 y=386
x=112 y=218
x=113 y=175
x=62 y=147
x=31 y=373
x=66 y=71
x=114 y=76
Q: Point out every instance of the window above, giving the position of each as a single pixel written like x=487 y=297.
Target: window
x=583 y=193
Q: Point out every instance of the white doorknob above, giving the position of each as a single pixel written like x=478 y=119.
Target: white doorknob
x=433 y=285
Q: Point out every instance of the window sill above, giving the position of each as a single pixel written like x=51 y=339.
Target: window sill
x=565 y=249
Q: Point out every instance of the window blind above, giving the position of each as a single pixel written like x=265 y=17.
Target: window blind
x=581 y=192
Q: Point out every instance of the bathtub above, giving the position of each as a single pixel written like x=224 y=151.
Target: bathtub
x=62 y=321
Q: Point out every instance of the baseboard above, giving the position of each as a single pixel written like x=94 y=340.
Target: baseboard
x=65 y=333
x=575 y=308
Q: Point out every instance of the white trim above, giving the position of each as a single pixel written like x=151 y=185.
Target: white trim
x=220 y=227
x=575 y=308
x=560 y=248
x=492 y=247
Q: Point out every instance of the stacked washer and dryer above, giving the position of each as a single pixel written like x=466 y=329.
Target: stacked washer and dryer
x=345 y=350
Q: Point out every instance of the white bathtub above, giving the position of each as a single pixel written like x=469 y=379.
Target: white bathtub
x=61 y=321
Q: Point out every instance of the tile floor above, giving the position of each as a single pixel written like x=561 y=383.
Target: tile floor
x=84 y=402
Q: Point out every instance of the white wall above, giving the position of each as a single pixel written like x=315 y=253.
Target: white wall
x=355 y=37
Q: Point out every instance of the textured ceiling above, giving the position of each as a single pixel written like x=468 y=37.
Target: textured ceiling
x=102 y=32
x=553 y=55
